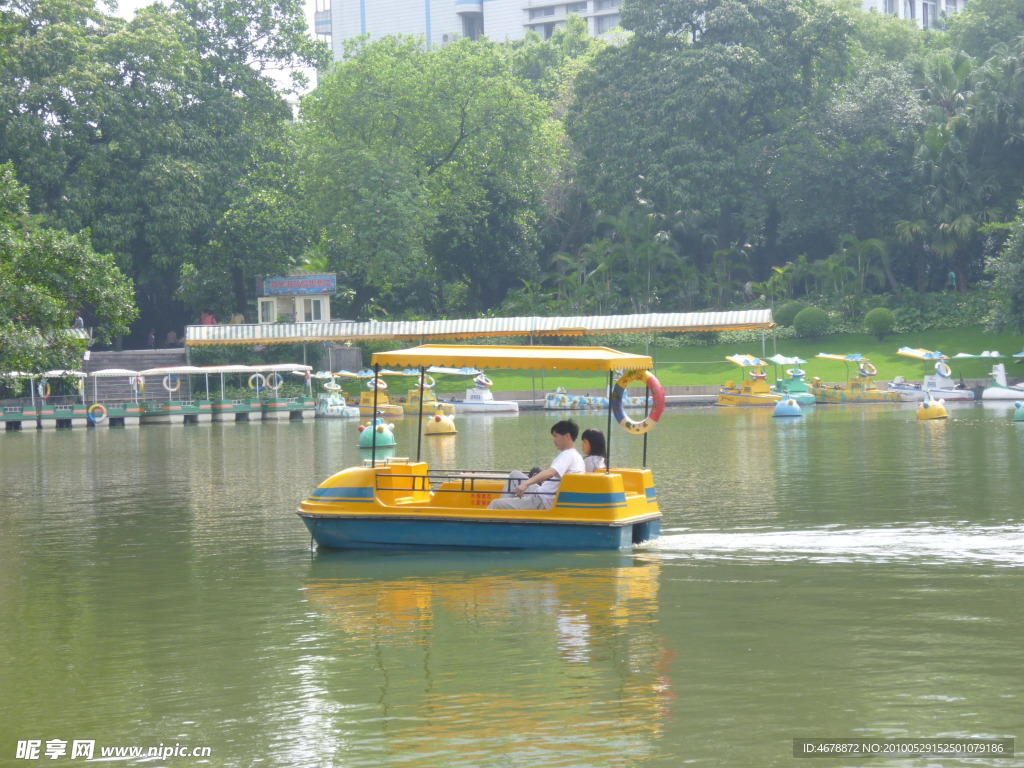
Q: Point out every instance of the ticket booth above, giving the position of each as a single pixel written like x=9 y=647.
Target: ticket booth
x=304 y=298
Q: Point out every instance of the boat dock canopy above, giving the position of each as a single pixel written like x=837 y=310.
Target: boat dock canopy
x=430 y=330
x=536 y=358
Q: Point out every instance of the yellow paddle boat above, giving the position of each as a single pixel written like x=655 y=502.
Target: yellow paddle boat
x=423 y=394
x=374 y=399
x=402 y=504
x=750 y=391
x=858 y=389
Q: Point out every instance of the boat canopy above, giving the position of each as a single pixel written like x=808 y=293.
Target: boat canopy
x=746 y=361
x=531 y=358
x=920 y=354
x=854 y=358
x=783 y=360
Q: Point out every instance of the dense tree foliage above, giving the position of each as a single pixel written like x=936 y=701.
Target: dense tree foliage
x=816 y=151
x=46 y=276
x=424 y=171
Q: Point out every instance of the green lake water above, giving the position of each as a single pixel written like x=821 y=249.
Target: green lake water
x=851 y=574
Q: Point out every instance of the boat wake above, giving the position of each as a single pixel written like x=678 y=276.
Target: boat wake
x=938 y=544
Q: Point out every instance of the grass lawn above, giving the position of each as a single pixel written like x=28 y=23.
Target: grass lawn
x=696 y=366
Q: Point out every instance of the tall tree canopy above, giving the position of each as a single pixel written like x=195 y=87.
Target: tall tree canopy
x=46 y=276
x=425 y=172
x=141 y=131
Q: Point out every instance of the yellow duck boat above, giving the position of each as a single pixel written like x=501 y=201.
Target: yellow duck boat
x=858 y=389
x=752 y=391
x=402 y=504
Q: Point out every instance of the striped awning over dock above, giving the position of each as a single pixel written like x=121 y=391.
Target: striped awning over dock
x=430 y=330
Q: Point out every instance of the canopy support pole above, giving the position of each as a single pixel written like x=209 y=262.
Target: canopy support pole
x=608 y=438
x=419 y=421
x=373 y=417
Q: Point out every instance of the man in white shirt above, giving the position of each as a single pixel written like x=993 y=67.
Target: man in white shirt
x=538 y=492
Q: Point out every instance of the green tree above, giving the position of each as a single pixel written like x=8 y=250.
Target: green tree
x=1007 y=268
x=426 y=168
x=46 y=275
x=984 y=24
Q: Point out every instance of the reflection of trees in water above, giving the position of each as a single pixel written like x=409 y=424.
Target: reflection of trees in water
x=564 y=662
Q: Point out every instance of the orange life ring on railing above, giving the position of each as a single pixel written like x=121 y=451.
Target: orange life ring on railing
x=619 y=391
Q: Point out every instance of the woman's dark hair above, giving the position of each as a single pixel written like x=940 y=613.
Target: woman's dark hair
x=596 y=439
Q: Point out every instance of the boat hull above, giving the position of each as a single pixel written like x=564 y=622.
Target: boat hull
x=395 y=504
x=494 y=406
x=1002 y=393
x=916 y=395
x=405 y=534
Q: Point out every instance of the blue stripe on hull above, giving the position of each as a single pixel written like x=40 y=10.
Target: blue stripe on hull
x=364 y=533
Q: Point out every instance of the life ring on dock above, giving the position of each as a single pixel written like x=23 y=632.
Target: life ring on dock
x=97 y=413
x=257 y=381
x=427 y=381
x=483 y=382
x=137 y=383
x=274 y=381
x=172 y=383
x=618 y=392
x=43 y=389
x=942 y=368
x=758 y=375
x=377 y=383
x=867 y=369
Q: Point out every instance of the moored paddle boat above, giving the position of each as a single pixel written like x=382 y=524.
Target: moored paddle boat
x=858 y=389
x=403 y=504
x=1000 y=388
x=750 y=391
x=794 y=385
x=937 y=385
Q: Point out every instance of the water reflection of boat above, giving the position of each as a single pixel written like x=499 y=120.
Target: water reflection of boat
x=857 y=389
x=752 y=391
x=434 y=629
x=405 y=505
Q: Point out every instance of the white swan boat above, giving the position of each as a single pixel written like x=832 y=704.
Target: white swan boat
x=999 y=389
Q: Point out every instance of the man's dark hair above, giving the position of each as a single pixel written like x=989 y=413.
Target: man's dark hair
x=566 y=427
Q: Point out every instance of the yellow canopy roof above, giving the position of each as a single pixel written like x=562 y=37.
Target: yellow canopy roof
x=746 y=361
x=534 y=358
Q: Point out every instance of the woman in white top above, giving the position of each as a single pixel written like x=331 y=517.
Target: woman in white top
x=593 y=445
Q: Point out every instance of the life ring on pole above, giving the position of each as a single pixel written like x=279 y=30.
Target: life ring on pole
x=867 y=369
x=377 y=383
x=797 y=373
x=483 y=382
x=942 y=368
x=137 y=383
x=758 y=375
x=172 y=383
x=97 y=413
x=257 y=381
x=274 y=381
x=427 y=381
x=43 y=389
x=332 y=386
x=618 y=392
